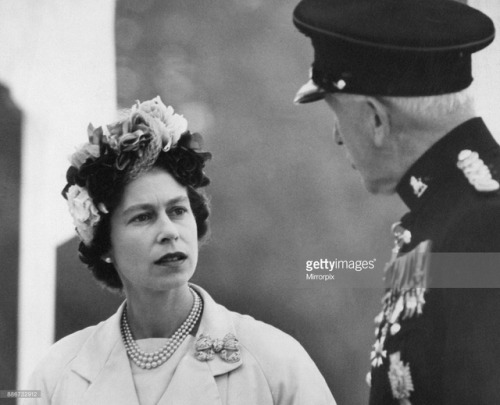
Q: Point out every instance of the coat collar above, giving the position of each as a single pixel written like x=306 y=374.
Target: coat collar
x=103 y=362
x=217 y=323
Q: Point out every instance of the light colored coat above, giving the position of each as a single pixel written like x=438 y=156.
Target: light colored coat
x=91 y=367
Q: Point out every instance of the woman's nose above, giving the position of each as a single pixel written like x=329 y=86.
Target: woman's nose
x=167 y=229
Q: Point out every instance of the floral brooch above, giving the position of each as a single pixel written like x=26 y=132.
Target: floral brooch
x=227 y=348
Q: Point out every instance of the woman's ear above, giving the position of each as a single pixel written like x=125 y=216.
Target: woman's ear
x=379 y=121
x=107 y=258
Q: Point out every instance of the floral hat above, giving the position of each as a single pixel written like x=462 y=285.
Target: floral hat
x=120 y=152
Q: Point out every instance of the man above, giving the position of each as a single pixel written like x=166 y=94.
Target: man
x=396 y=74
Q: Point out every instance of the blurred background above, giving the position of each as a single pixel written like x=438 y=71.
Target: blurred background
x=281 y=192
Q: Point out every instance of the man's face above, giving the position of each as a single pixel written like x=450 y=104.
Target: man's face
x=355 y=124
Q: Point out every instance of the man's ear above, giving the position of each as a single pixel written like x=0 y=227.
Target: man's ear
x=379 y=121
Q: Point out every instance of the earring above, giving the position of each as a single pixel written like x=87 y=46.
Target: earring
x=108 y=260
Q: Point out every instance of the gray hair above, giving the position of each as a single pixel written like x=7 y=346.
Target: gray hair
x=431 y=107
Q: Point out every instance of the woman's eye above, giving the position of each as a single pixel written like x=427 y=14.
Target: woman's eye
x=141 y=218
x=178 y=211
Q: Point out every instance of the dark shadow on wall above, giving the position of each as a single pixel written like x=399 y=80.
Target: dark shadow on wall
x=10 y=181
x=80 y=300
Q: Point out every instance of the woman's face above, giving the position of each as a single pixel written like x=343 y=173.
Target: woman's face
x=154 y=239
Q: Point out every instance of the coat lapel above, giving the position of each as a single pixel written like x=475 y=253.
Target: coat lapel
x=216 y=323
x=193 y=383
x=199 y=382
x=103 y=362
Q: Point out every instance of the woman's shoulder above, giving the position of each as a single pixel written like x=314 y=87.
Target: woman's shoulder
x=256 y=334
x=258 y=339
x=289 y=370
x=269 y=346
x=59 y=357
x=61 y=353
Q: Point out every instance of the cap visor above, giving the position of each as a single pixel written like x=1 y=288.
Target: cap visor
x=308 y=93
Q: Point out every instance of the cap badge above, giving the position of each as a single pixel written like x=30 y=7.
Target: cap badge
x=476 y=172
x=418 y=186
x=340 y=84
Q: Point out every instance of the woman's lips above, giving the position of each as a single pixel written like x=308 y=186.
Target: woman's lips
x=171 y=258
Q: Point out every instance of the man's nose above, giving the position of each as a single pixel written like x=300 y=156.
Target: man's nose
x=336 y=136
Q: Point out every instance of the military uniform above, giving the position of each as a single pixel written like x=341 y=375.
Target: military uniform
x=442 y=345
x=438 y=334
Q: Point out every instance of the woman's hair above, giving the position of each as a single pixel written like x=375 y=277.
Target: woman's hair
x=150 y=137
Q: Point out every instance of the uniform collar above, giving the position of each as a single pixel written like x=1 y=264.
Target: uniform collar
x=438 y=165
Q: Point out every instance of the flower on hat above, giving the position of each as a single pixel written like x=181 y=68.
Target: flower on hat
x=122 y=151
x=168 y=125
x=84 y=212
x=148 y=128
x=86 y=151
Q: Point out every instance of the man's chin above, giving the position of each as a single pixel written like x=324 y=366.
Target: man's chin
x=379 y=188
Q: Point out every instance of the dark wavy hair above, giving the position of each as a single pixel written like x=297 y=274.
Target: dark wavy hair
x=106 y=184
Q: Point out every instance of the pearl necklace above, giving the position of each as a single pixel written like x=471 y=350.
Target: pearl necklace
x=155 y=359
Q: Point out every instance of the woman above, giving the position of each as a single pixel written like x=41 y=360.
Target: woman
x=133 y=194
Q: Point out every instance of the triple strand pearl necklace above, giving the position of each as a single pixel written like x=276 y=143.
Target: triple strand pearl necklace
x=155 y=359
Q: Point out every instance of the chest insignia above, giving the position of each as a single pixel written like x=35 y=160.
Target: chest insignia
x=400 y=379
x=410 y=269
x=476 y=172
x=406 y=282
x=418 y=186
x=401 y=236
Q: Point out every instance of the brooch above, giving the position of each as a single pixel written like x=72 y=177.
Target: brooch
x=228 y=348
x=476 y=172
